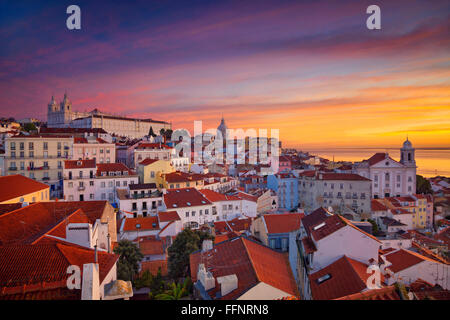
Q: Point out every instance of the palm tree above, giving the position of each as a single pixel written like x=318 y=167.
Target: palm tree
x=176 y=291
x=130 y=256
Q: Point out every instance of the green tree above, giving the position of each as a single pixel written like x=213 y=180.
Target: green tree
x=176 y=291
x=185 y=243
x=29 y=127
x=375 y=229
x=423 y=186
x=130 y=256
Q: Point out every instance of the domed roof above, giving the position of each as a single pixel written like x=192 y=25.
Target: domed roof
x=407 y=144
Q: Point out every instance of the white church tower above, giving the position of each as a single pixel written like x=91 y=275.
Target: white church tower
x=407 y=154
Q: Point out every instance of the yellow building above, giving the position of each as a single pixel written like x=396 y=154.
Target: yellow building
x=415 y=204
x=40 y=158
x=17 y=188
x=151 y=171
x=176 y=180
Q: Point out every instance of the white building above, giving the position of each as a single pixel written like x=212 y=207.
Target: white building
x=62 y=116
x=152 y=151
x=141 y=199
x=407 y=266
x=324 y=238
x=389 y=177
x=192 y=206
x=87 y=180
x=94 y=148
x=341 y=191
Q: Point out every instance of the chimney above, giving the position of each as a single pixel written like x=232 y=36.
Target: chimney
x=320 y=176
x=109 y=243
x=227 y=284
x=205 y=277
x=207 y=245
x=90 y=289
x=96 y=253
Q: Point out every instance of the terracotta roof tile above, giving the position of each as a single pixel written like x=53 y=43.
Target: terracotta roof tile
x=16 y=185
x=25 y=268
x=346 y=276
x=144 y=223
x=184 y=197
x=282 y=223
x=166 y=216
x=79 y=164
x=251 y=262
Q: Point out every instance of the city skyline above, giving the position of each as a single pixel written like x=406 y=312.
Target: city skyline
x=313 y=71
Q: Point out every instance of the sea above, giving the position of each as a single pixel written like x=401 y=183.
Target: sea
x=430 y=162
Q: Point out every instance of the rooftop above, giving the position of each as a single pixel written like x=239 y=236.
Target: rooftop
x=250 y=261
x=15 y=186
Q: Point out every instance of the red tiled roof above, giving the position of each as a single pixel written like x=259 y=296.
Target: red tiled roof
x=166 y=216
x=178 y=176
x=387 y=293
x=348 y=276
x=112 y=167
x=402 y=259
x=214 y=196
x=251 y=262
x=146 y=223
x=16 y=185
x=282 y=223
x=79 y=164
x=27 y=268
x=28 y=224
x=184 y=197
x=153 y=266
x=79 y=140
x=377 y=205
x=240 y=225
x=425 y=290
x=148 y=161
x=151 y=247
x=8 y=207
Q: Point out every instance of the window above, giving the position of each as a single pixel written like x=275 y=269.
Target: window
x=206 y=211
x=103 y=196
x=124 y=183
x=103 y=185
x=91 y=183
x=45 y=145
x=70 y=184
x=13 y=146
x=187 y=214
x=22 y=146
x=91 y=196
x=117 y=183
x=272 y=243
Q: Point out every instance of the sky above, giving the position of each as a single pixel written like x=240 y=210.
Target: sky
x=311 y=69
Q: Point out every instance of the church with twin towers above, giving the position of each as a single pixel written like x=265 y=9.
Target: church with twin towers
x=61 y=115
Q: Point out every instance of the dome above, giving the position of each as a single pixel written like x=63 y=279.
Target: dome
x=407 y=144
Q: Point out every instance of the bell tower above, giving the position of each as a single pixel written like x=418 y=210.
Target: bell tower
x=407 y=152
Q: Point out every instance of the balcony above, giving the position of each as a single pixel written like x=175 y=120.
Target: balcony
x=45 y=178
x=12 y=168
x=81 y=188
